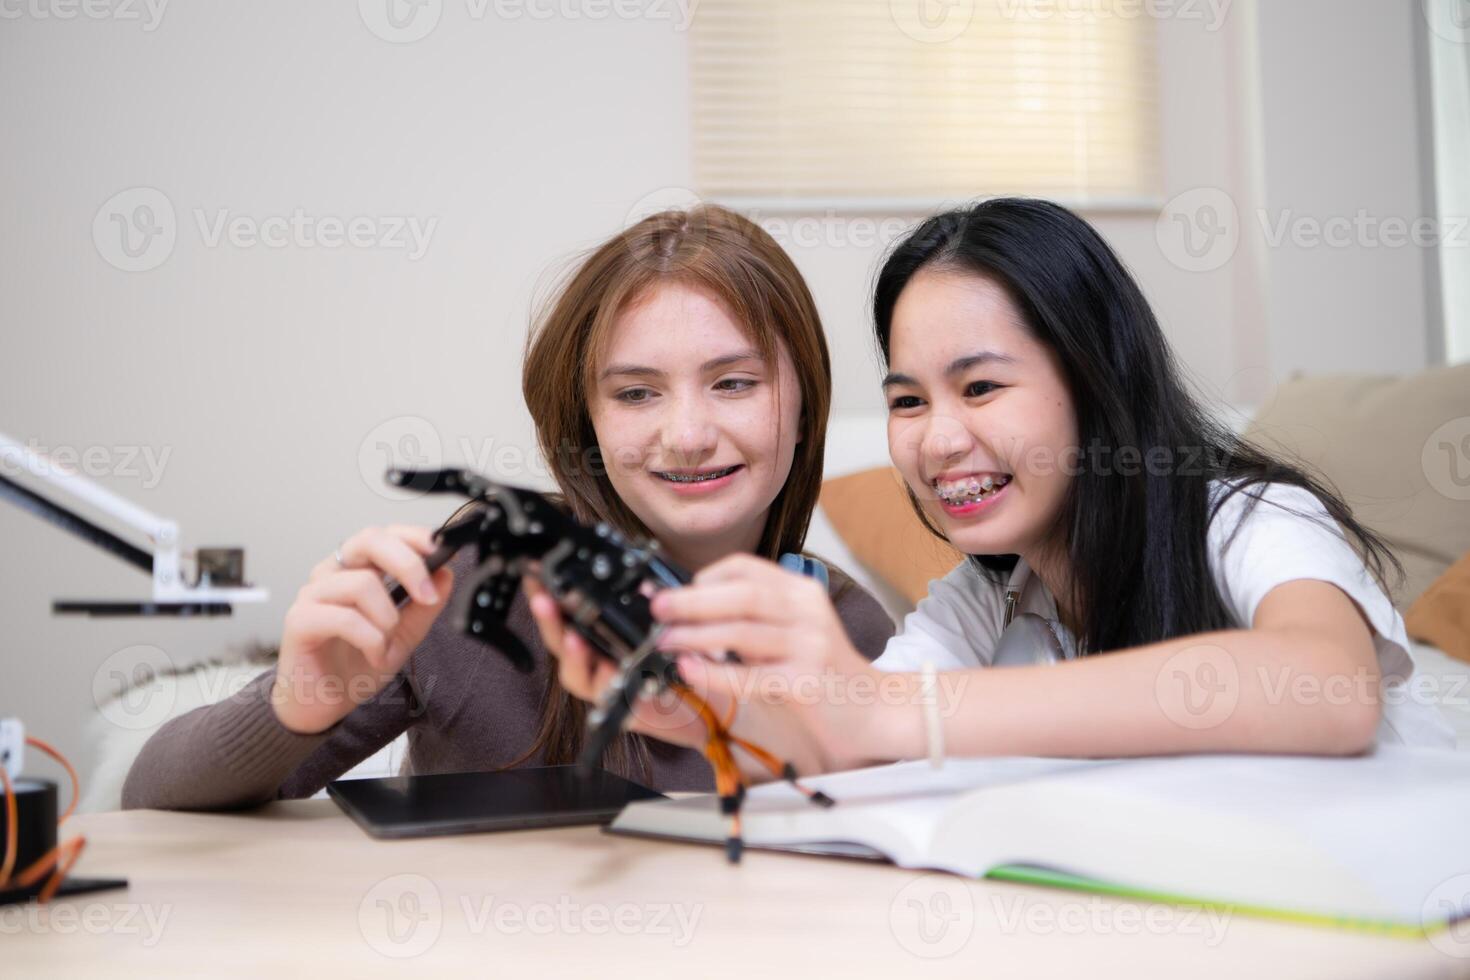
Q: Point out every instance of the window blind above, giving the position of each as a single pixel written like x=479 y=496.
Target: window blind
x=884 y=101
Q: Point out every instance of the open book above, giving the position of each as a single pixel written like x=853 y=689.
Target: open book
x=1373 y=841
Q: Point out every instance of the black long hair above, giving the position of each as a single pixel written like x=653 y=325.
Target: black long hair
x=1136 y=535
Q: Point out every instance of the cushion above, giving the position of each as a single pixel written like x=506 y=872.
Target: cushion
x=1441 y=615
x=1396 y=449
x=871 y=513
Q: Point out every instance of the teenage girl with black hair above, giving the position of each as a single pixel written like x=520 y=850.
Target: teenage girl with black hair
x=1201 y=594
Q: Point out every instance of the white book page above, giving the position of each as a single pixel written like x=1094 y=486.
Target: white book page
x=1370 y=836
x=894 y=809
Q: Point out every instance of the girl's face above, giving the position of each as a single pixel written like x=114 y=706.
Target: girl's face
x=980 y=421
x=697 y=430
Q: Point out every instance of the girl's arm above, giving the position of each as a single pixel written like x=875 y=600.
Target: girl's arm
x=236 y=753
x=1303 y=679
x=335 y=696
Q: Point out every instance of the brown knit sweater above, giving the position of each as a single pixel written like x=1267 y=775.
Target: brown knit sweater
x=464 y=707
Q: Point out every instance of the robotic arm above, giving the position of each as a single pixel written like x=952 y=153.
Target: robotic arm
x=219 y=573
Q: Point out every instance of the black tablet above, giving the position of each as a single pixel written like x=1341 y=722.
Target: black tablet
x=471 y=802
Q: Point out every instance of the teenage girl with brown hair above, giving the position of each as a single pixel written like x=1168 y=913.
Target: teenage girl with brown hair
x=680 y=384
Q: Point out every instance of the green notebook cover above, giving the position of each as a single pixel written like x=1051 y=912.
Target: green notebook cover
x=1029 y=875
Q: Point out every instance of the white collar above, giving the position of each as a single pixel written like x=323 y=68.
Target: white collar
x=1018 y=583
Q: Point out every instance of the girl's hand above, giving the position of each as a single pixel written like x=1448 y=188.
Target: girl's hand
x=344 y=639
x=586 y=674
x=820 y=700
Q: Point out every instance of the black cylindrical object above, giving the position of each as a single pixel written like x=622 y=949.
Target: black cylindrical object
x=36 y=815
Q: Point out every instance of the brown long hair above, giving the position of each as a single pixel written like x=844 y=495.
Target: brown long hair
x=734 y=261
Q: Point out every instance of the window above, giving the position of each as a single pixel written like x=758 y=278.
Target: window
x=873 y=103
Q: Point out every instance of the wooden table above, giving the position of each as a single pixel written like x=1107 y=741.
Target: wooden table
x=296 y=889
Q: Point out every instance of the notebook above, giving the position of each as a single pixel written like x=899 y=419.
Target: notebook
x=1375 y=842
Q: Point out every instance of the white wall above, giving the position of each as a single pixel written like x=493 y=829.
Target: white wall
x=266 y=377
x=1344 y=143
x=1448 y=43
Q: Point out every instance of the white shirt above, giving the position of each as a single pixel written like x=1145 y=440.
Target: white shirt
x=1289 y=535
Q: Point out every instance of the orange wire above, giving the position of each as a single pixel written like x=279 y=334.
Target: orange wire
x=76 y=784
x=62 y=856
x=12 y=817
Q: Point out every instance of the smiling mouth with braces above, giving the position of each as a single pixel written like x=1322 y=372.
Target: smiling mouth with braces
x=697 y=477
x=970 y=491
